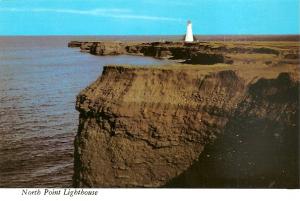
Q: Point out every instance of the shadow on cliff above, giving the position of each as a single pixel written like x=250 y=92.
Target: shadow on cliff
x=208 y=59
x=256 y=149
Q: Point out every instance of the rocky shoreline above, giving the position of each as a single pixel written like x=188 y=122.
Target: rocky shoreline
x=229 y=120
x=190 y=53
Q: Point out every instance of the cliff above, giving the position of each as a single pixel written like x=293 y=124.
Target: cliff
x=189 y=126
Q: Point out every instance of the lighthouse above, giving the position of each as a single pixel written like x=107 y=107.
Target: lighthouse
x=189 y=33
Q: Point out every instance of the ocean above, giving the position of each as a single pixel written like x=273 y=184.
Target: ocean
x=39 y=80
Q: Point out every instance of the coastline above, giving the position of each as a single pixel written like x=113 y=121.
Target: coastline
x=164 y=126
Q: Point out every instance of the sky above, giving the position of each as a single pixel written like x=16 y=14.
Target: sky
x=148 y=17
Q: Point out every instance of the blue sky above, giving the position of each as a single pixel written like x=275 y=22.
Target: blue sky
x=143 y=17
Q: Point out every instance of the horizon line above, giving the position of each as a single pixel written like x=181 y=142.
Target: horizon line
x=54 y=35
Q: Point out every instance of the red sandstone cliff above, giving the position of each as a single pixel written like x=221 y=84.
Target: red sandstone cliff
x=189 y=127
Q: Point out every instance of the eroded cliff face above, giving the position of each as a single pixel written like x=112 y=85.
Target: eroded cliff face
x=259 y=146
x=153 y=127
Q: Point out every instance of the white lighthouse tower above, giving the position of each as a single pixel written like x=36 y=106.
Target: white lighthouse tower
x=189 y=33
